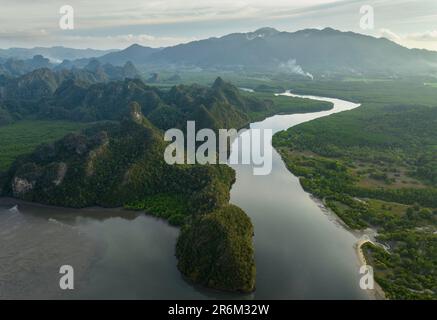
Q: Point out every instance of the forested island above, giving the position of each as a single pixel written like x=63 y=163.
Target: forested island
x=113 y=156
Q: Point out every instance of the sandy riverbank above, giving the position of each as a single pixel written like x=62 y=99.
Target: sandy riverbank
x=363 y=237
x=377 y=293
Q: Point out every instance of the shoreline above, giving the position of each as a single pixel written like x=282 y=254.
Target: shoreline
x=377 y=293
x=363 y=236
x=95 y=212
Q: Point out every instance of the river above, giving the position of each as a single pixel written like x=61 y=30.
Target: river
x=302 y=251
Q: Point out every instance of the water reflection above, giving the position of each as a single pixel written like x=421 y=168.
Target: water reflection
x=118 y=254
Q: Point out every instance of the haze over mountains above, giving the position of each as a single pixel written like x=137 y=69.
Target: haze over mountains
x=309 y=52
x=54 y=54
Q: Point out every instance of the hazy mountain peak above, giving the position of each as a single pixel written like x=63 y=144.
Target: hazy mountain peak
x=218 y=83
x=93 y=65
x=266 y=31
x=329 y=29
x=57 y=53
x=128 y=64
x=262 y=33
x=313 y=31
x=135 y=53
x=135 y=46
x=310 y=51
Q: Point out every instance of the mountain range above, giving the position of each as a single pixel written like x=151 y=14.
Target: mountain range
x=54 y=54
x=16 y=67
x=306 y=52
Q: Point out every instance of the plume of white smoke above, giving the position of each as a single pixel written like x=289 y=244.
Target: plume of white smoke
x=292 y=67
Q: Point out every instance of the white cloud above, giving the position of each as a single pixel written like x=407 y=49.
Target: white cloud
x=98 y=20
x=424 y=36
x=421 y=40
x=386 y=33
x=104 y=13
x=167 y=22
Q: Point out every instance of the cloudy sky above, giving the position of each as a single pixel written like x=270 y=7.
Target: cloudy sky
x=108 y=24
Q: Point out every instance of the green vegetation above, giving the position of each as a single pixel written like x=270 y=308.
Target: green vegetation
x=388 y=92
x=24 y=136
x=114 y=164
x=44 y=94
x=174 y=208
x=375 y=166
x=285 y=105
x=269 y=89
x=431 y=84
x=407 y=272
x=216 y=250
x=120 y=163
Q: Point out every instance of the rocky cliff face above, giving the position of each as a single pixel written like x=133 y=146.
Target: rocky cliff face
x=21 y=186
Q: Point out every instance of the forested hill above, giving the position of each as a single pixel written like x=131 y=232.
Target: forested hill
x=122 y=164
x=119 y=160
x=111 y=165
x=95 y=70
x=74 y=95
x=308 y=52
